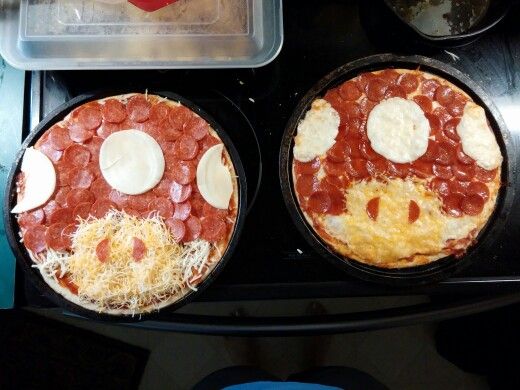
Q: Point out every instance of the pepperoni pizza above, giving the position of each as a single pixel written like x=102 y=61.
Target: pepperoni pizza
x=396 y=168
x=137 y=217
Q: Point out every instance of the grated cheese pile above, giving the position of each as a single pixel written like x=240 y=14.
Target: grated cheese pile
x=121 y=282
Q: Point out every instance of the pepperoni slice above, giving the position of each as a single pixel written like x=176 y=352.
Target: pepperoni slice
x=408 y=82
x=452 y=205
x=101 y=207
x=319 y=202
x=179 y=117
x=61 y=215
x=197 y=205
x=132 y=212
x=162 y=206
x=444 y=95
x=442 y=171
x=349 y=91
x=49 y=208
x=81 y=178
x=159 y=112
x=376 y=89
x=332 y=96
x=424 y=102
x=107 y=129
x=61 y=196
x=413 y=211
x=337 y=201
x=103 y=250
x=67 y=234
x=207 y=142
x=34 y=238
x=445 y=155
x=457 y=187
x=138 y=249
x=395 y=91
x=178 y=192
x=89 y=117
x=47 y=149
x=450 y=129
x=463 y=157
x=456 y=107
x=163 y=188
x=78 y=133
x=82 y=210
x=440 y=186
x=335 y=169
x=213 y=228
x=339 y=151
x=390 y=75
x=94 y=145
x=76 y=155
x=372 y=208
x=100 y=187
x=177 y=228
x=306 y=185
x=186 y=147
x=432 y=152
x=464 y=172
x=349 y=110
x=442 y=114
x=59 y=137
x=429 y=87
x=183 y=211
x=478 y=188
x=79 y=195
x=197 y=127
x=435 y=123
x=422 y=169
x=307 y=167
x=183 y=172
x=377 y=167
x=398 y=170
x=139 y=202
x=472 y=204
x=366 y=150
x=138 y=108
x=193 y=229
x=484 y=175
x=31 y=218
x=363 y=79
x=113 y=111
x=55 y=238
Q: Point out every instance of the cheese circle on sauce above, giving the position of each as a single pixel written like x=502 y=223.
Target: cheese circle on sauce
x=398 y=130
x=131 y=161
x=316 y=132
x=214 y=179
x=478 y=141
x=39 y=180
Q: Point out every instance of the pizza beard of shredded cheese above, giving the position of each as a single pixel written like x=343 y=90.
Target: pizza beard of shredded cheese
x=123 y=284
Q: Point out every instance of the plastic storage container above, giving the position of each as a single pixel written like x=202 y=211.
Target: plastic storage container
x=74 y=34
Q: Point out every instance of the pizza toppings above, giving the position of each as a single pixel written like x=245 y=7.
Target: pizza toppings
x=398 y=130
x=373 y=208
x=103 y=250
x=316 y=132
x=34 y=238
x=413 y=211
x=138 y=249
x=131 y=161
x=38 y=181
x=214 y=179
x=478 y=141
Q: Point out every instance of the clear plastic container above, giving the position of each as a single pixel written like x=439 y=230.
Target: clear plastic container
x=88 y=34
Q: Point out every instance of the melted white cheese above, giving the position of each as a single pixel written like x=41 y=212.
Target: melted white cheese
x=39 y=180
x=478 y=141
x=131 y=161
x=316 y=132
x=214 y=179
x=398 y=130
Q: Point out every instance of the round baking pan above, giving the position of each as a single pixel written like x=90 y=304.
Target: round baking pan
x=24 y=260
x=441 y=268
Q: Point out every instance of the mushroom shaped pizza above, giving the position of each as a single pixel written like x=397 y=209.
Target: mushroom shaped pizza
x=396 y=168
x=126 y=204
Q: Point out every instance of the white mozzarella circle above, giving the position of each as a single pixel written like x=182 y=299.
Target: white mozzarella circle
x=214 y=179
x=398 y=130
x=131 y=161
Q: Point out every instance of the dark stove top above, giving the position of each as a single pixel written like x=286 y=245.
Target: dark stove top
x=272 y=260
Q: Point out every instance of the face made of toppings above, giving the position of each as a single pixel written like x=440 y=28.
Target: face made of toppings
x=164 y=141
x=399 y=129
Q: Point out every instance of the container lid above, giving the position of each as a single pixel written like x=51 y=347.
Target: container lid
x=94 y=34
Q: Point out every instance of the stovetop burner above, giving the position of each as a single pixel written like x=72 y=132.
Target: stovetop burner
x=272 y=260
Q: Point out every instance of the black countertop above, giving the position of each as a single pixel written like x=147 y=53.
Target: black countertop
x=272 y=259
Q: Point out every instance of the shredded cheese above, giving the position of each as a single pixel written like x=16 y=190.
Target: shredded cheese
x=121 y=282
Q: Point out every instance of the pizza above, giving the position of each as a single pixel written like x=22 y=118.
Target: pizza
x=127 y=204
x=396 y=168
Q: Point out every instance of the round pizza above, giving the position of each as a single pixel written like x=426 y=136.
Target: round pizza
x=396 y=168
x=127 y=203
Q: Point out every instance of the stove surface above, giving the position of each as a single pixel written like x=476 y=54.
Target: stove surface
x=272 y=259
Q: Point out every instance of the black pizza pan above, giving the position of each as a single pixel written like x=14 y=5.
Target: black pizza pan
x=22 y=255
x=442 y=268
